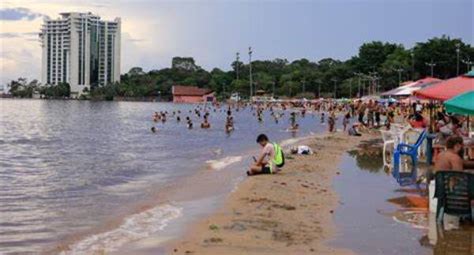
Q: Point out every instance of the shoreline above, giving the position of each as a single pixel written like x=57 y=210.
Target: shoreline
x=286 y=213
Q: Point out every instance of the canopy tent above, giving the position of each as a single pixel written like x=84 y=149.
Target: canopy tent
x=448 y=89
x=462 y=104
x=413 y=99
x=408 y=89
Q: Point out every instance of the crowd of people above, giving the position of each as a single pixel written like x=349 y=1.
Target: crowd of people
x=356 y=117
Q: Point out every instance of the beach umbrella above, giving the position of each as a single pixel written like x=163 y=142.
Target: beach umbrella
x=448 y=89
x=462 y=104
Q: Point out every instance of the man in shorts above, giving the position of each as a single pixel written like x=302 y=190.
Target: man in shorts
x=265 y=163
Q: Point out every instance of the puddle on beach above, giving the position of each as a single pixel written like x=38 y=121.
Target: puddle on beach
x=377 y=216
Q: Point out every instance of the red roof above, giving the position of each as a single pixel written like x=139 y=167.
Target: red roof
x=189 y=91
x=447 y=89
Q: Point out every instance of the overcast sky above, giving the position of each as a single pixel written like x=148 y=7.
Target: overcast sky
x=213 y=31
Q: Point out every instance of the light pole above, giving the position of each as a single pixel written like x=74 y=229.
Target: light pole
x=412 y=65
x=350 y=88
x=304 y=86
x=273 y=89
x=399 y=70
x=335 y=88
x=457 y=58
x=358 y=86
x=431 y=65
x=373 y=86
x=319 y=87
x=237 y=58
x=250 y=72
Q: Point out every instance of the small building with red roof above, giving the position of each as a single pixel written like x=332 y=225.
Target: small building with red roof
x=191 y=94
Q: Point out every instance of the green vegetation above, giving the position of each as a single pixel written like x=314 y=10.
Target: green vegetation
x=378 y=66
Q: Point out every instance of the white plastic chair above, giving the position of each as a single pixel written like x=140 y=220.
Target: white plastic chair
x=388 y=140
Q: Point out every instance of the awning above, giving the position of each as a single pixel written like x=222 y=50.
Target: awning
x=448 y=89
x=462 y=104
x=408 y=89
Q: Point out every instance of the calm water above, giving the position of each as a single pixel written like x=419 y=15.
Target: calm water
x=66 y=167
x=369 y=224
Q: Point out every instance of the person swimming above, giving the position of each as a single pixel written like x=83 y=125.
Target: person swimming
x=189 y=123
x=205 y=124
x=153 y=129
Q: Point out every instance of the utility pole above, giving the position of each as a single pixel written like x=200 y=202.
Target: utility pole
x=457 y=59
x=250 y=72
x=237 y=59
x=319 y=87
x=359 y=75
x=373 y=86
x=335 y=88
x=431 y=65
x=273 y=89
x=350 y=88
x=399 y=70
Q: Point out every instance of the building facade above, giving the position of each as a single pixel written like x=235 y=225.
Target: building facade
x=190 y=94
x=80 y=49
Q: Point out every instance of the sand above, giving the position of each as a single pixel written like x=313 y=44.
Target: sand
x=286 y=213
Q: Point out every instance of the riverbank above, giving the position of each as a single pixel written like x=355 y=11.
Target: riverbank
x=287 y=213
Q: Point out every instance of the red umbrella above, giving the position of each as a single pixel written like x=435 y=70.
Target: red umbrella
x=448 y=89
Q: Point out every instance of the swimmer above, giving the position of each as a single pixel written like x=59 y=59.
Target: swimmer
x=153 y=129
x=189 y=123
x=205 y=124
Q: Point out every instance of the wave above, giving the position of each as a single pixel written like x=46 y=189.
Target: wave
x=135 y=227
x=219 y=164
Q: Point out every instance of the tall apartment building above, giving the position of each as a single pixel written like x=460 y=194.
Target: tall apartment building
x=80 y=49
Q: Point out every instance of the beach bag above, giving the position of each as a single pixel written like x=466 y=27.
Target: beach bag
x=279 y=159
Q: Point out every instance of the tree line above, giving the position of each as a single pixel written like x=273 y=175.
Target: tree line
x=377 y=67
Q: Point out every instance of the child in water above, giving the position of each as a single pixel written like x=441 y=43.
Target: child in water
x=345 y=121
x=189 y=123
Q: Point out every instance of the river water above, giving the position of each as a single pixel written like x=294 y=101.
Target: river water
x=91 y=174
x=377 y=216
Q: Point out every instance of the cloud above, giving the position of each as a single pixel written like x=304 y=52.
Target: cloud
x=9 y=35
x=26 y=35
x=19 y=14
x=136 y=40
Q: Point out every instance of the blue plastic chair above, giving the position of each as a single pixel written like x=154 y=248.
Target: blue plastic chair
x=407 y=178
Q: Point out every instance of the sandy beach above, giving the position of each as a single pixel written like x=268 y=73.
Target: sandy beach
x=287 y=213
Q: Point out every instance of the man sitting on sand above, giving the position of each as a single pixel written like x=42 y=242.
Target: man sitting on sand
x=270 y=160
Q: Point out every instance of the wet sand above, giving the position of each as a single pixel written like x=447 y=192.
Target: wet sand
x=287 y=213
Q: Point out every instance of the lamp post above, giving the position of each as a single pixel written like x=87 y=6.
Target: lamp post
x=431 y=65
x=250 y=72
x=335 y=88
x=358 y=86
x=273 y=89
x=373 y=86
x=237 y=58
x=350 y=88
x=304 y=86
x=399 y=70
x=319 y=87
x=412 y=66
x=458 y=45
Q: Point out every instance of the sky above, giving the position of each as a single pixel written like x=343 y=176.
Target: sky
x=213 y=31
